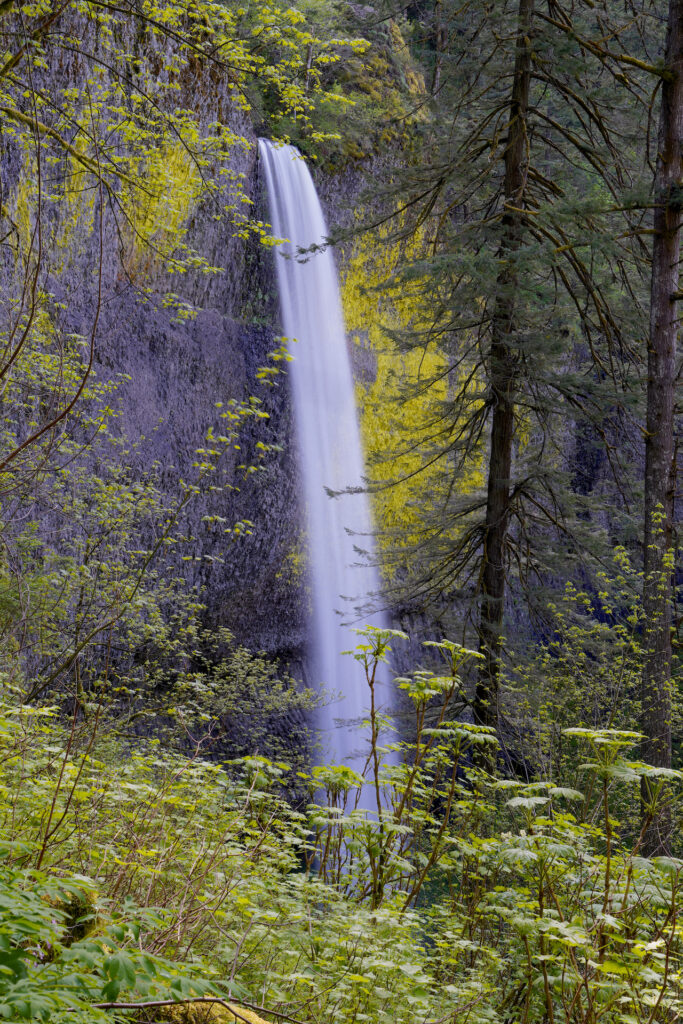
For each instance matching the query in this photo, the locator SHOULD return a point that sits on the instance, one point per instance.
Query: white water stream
(330, 451)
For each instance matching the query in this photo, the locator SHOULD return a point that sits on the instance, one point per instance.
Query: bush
(137, 876)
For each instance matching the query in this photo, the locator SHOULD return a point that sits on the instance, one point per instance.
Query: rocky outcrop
(178, 372)
(178, 344)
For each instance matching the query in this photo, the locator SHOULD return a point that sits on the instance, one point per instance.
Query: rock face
(178, 372)
(255, 585)
(173, 371)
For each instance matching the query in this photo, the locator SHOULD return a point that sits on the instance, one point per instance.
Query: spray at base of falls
(331, 455)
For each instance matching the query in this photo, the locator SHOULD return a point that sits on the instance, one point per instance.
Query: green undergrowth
(134, 876)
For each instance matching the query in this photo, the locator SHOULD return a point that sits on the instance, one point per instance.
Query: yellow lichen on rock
(158, 216)
(383, 421)
(398, 409)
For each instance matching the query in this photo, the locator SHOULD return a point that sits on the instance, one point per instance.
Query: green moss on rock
(205, 1012)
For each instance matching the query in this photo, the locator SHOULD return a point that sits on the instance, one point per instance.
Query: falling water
(330, 450)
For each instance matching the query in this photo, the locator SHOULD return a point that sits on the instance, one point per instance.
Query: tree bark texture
(659, 438)
(440, 45)
(503, 370)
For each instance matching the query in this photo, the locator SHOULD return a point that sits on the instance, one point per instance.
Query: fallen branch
(154, 1004)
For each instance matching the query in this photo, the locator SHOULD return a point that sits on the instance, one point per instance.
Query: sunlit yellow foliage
(76, 195)
(383, 422)
(294, 565)
(23, 204)
(414, 77)
(159, 215)
(77, 206)
(392, 425)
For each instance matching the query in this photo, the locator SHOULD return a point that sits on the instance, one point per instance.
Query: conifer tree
(503, 373)
(659, 428)
(529, 188)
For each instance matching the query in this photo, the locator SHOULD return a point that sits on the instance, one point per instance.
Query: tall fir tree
(660, 469)
(530, 197)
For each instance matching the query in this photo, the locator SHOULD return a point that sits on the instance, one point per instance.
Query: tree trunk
(503, 382)
(440, 44)
(659, 438)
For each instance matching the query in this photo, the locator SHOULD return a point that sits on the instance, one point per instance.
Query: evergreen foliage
(169, 849)
(523, 209)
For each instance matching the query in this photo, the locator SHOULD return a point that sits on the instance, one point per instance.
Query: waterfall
(331, 456)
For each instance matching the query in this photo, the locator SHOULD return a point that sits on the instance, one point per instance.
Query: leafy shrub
(134, 876)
